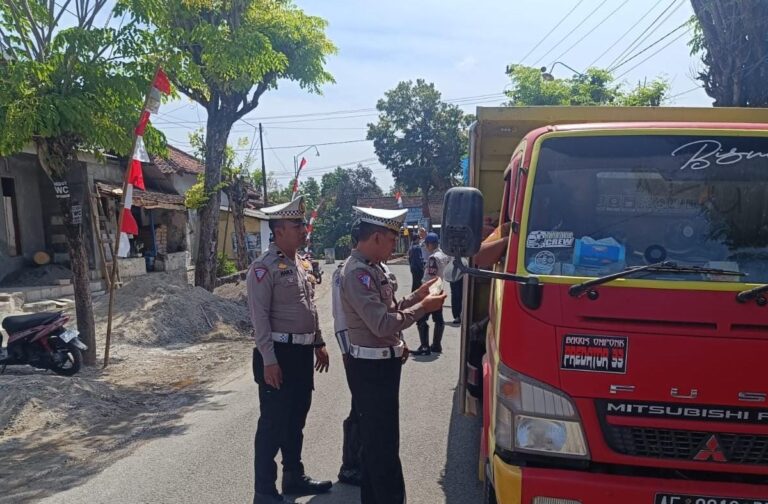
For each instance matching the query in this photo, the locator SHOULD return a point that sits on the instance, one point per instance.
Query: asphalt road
(211, 459)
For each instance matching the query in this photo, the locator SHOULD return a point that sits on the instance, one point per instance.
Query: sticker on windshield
(549, 239)
(543, 263)
(601, 354)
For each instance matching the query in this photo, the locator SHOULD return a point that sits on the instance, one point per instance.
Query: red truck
(618, 351)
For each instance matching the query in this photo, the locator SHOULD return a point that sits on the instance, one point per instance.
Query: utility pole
(263, 166)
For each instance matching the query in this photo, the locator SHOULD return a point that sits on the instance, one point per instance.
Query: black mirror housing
(461, 231)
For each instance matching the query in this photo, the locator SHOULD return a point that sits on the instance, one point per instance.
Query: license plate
(68, 335)
(704, 499)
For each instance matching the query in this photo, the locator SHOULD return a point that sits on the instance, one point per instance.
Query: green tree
(532, 86)
(236, 182)
(729, 36)
(339, 191)
(225, 56)
(69, 86)
(419, 138)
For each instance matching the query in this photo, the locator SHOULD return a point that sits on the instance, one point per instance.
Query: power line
(522, 60)
(648, 47)
(626, 32)
(584, 20)
(684, 92)
(309, 145)
(598, 25)
(655, 53)
(639, 40)
(266, 139)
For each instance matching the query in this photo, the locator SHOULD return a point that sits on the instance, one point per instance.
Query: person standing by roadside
(288, 340)
(417, 258)
(377, 352)
(436, 262)
(457, 299)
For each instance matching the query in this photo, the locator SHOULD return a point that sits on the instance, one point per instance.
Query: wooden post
(120, 226)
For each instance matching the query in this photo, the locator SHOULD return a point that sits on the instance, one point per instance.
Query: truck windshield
(601, 204)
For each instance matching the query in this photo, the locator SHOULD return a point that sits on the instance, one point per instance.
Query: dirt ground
(171, 342)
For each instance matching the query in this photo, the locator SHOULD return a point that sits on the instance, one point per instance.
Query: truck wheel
(489, 494)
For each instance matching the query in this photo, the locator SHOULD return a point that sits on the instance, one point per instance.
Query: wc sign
(62, 189)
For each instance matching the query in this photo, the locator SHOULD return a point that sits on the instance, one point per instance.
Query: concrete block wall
(132, 267)
(173, 262)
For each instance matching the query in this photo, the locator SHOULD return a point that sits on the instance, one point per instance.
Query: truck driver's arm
(493, 247)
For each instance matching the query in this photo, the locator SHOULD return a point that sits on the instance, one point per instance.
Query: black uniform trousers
(351, 456)
(375, 392)
(457, 297)
(283, 413)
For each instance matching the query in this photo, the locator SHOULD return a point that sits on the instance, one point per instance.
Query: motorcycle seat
(20, 322)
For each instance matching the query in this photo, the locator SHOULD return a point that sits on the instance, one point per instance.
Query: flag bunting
(161, 85)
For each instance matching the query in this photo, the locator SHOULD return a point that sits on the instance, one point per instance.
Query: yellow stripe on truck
(507, 481)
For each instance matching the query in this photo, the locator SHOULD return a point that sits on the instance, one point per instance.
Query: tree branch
(35, 29)
(16, 15)
(195, 95)
(261, 88)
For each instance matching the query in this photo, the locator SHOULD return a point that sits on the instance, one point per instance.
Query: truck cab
(616, 353)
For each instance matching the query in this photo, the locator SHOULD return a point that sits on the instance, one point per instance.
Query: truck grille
(686, 445)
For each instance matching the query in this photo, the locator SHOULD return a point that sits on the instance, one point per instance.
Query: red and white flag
(135, 176)
(302, 164)
(399, 198)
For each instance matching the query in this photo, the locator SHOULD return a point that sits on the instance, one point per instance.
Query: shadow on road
(75, 445)
(459, 478)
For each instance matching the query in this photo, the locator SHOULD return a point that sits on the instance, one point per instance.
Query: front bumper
(520, 485)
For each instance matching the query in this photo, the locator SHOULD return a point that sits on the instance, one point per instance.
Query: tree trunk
(239, 197)
(57, 157)
(217, 133)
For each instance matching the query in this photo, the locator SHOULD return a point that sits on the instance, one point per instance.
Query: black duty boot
(438, 339)
(350, 476)
(301, 484)
(423, 340)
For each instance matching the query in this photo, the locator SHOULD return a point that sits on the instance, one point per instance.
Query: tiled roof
(146, 199)
(178, 161)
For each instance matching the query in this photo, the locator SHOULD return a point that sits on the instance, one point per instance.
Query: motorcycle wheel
(72, 364)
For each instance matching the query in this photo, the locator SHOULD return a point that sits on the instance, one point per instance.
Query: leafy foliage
(419, 138)
(339, 190)
(594, 87)
(224, 265)
(225, 56)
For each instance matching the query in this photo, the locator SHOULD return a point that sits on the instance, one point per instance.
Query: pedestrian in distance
(375, 321)
(436, 263)
(289, 348)
(416, 259)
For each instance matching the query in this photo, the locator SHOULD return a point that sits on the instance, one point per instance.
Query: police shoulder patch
(365, 278)
(259, 273)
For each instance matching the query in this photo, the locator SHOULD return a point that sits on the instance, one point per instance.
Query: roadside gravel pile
(162, 310)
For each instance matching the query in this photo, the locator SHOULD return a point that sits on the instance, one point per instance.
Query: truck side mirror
(462, 222)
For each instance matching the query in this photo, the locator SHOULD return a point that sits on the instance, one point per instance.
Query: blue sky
(461, 46)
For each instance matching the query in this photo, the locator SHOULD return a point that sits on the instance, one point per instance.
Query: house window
(11, 214)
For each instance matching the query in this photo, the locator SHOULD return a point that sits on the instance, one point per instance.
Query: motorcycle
(42, 341)
(317, 271)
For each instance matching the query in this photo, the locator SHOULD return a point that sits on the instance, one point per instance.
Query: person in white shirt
(435, 267)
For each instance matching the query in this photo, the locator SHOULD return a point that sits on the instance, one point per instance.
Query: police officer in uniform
(375, 320)
(288, 340)
(351, 458)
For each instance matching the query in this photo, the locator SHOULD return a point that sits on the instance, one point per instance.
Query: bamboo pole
(120, 224)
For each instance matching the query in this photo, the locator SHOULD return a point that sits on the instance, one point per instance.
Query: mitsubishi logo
(711, 451)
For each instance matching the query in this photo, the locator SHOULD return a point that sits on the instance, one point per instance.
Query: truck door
(475, 310)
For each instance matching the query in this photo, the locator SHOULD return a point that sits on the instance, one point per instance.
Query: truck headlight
(536, 418)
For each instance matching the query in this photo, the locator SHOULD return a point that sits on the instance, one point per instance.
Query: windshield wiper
(744, 296)
(663, 267)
